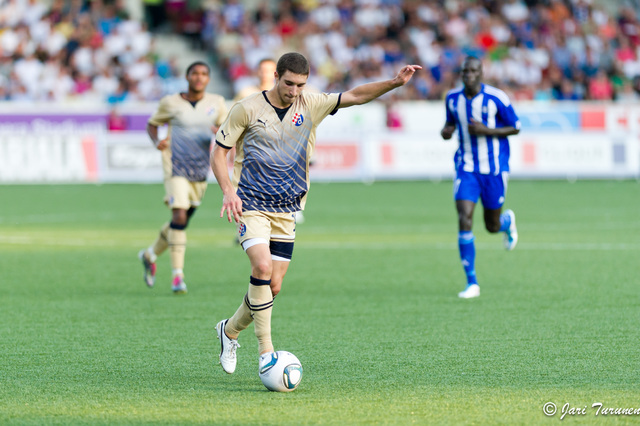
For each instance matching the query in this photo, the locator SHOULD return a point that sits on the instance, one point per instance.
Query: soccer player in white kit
(193, 117)
(274, 135)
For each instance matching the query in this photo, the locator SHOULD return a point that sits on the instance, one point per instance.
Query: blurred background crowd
(533, 49)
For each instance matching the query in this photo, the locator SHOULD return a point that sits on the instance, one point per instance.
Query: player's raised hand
(233, 206)
(405, 74)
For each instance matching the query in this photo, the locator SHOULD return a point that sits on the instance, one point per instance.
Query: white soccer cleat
(228, 358)
(511, 234)
(149, 266)
(472, 290)
(178, 286)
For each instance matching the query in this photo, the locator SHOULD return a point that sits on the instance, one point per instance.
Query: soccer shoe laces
(233, 345)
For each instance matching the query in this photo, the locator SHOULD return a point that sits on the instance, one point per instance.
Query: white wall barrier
(558, 140)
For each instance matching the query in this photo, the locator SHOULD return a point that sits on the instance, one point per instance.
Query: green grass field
(369, 306)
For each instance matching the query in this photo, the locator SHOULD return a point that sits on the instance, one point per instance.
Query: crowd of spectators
(75, 49)
(532, 49)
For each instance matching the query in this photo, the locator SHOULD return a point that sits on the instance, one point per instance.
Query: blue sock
(505, 222)
(468, 255)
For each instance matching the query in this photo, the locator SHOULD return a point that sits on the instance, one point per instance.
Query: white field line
(26, 240)
(483, 246)
(56, 218)
(531, 227)
(388, 228)
(62, 242)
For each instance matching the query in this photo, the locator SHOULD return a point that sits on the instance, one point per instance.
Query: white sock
(152, 256)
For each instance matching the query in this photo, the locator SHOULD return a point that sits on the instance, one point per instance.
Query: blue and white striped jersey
(480, 153)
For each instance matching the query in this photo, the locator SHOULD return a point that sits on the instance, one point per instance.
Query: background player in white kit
(193, 117)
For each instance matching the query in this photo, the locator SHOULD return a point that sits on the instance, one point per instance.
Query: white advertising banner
(598, 155)
(558, 140)
(130, 157)
(49, 148)
(404, 156)
(532, 156)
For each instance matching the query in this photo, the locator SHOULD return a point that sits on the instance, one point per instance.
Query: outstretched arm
(367, 92)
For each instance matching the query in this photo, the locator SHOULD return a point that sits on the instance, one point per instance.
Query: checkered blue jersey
(481, 153)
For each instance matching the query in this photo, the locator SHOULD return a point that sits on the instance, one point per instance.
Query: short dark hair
(294, 62)
(195, 64)
(472, 58)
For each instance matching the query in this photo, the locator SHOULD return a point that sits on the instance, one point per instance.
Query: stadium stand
(532, 49)
(79, 51)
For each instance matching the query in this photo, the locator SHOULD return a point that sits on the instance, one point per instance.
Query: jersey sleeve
(163, 113)
(323, 104)
(509, 117)
(451, 119)
(233, 127)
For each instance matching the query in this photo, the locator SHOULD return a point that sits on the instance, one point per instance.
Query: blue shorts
(491, 189)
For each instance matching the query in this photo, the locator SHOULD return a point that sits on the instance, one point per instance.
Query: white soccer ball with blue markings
(281, 373)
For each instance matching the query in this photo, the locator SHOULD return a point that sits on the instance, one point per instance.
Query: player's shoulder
(454, 92)
(253, 102)
(168, 99)
(253, 98)
(318, 100)
(245, 92)
(314, 94)
(497, 93)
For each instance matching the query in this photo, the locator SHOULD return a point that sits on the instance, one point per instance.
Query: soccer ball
(281, 373)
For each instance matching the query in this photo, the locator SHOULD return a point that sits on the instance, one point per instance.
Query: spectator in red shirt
(600, 88)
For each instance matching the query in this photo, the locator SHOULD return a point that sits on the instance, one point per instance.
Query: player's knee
(262, 270)
(179, 217)
(493, 227)
(177, 226)
(465, 222)
(189, 214)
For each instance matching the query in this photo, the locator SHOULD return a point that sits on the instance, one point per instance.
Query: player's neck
(275, 99)
(472, 91)
(193, 96)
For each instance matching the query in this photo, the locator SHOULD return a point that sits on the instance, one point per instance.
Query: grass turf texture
(369, 306)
